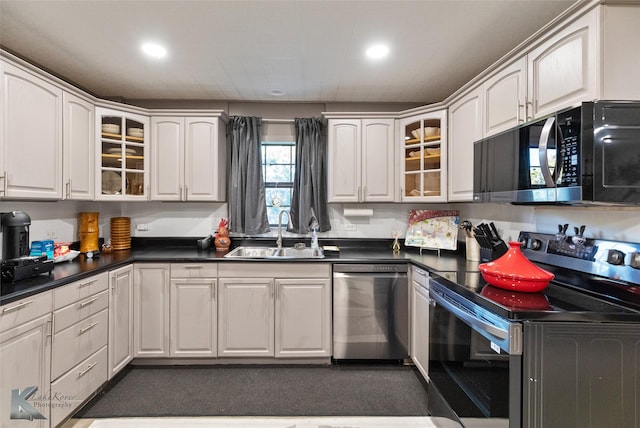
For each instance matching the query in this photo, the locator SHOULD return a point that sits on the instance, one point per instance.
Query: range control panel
(611, 259)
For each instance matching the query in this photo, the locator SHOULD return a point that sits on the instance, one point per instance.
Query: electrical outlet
(142, 227)
(350, 227)
(52, 235)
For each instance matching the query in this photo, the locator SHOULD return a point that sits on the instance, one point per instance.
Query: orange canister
(89, 230)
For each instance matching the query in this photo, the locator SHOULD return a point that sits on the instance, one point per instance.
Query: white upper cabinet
(423, 161)
(361, 160)
(78, 140)
(465, 127)
(167, 158)
(122, 171)
(188, 158)
(30, 136)
(504, 97)
(620, 58)
(563, 69)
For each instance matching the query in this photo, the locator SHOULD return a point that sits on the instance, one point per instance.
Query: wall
(58, 220)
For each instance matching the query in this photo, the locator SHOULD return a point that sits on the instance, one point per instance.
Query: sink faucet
(279, 240)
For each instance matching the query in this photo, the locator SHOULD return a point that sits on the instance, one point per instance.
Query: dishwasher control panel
(371, 268)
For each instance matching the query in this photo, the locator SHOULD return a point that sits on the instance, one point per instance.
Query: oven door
(475, 369)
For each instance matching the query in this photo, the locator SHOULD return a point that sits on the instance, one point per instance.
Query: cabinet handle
(5, 179)
(420, 272)
(148, 194)
(84, 284)
(87, 328)
(529, 109)
(88, 302)
(49, 328)
(193, 266)
(16, 307)
(85, 371)
(186, 193)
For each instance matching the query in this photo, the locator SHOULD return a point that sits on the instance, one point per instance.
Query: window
(278, 171)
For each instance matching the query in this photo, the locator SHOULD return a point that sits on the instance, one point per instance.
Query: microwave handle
(542, 151)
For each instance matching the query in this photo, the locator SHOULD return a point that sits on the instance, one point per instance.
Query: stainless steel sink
(274, 253)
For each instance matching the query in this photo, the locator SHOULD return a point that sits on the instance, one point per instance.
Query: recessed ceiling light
(377, 51)
(154, 50)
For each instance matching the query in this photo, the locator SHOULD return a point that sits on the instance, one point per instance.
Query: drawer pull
(193, 267)
(18, 306)
(87, 328)
(88, 302)
(85, 371)
(84, 284)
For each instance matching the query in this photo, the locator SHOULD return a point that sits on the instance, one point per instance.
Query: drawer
(16, 313)
(65, 295)
(72, 389)
(69, 315)
(194, 270)
(77, 342)
(421, 276)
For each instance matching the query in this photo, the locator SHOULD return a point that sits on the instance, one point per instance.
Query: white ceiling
(311, 50)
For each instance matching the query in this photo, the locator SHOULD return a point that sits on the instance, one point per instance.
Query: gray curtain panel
(247, 206)
(310, 180)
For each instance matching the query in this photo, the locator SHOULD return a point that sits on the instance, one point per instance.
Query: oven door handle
(470, 319)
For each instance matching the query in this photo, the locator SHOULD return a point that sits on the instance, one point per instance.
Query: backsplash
(59, 220)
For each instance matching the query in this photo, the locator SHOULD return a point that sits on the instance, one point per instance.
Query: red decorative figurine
(222, 240)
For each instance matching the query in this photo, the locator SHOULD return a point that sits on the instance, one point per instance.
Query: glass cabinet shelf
(123, 156)
(422, 159)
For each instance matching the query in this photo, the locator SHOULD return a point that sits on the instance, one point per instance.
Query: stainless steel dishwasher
(370, 311)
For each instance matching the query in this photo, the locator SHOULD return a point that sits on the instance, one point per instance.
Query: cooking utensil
(513, 271)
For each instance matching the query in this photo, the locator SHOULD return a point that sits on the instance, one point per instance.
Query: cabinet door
(465, 127)
(303, 318)
(120, 319)
(563, 70)
(420, 328)
(193, 317)
(78, 142)
(423, 157)
(344, 160)
(505, 98)
(151, 310)
(205, 160)
(378, 160)
(246, 317)
(167, 158)
(25, 353)
(31, 136)
(122, 172)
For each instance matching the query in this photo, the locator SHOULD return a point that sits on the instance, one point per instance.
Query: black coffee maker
(15, 234)
(16, 262)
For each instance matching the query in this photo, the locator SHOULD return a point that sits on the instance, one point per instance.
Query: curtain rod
(279, 120)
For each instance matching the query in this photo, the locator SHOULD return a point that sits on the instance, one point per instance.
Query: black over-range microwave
(582, 155)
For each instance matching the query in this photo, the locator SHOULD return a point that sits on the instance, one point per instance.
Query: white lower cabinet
(246, 311)
(25, 361)
(274, 310)
(193, 317)
(420, 320)
(151, 309)
(120, 319)
(303, 317)
(79, 348)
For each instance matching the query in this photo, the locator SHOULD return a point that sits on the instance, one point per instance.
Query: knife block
(490, 249)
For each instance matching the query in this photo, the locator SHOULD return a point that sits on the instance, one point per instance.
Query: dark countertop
(184, 251)
(449, 268)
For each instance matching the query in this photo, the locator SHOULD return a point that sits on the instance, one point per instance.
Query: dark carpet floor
(336, 390)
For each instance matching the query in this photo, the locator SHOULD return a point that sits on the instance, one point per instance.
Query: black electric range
(595, 281)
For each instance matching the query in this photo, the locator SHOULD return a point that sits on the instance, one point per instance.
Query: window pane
(278, 165)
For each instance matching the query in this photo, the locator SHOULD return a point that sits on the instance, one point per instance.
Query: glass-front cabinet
(123, 155)
(423, 157)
